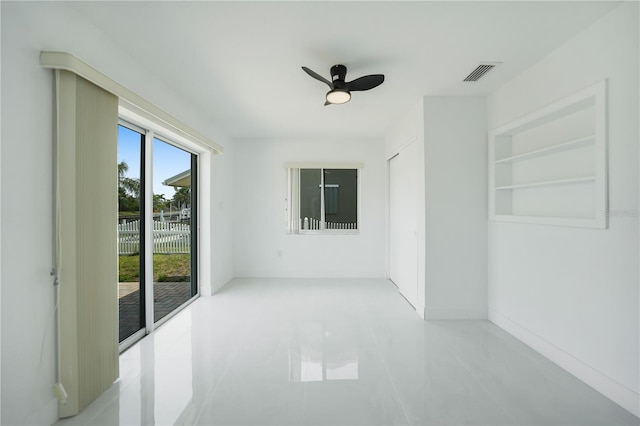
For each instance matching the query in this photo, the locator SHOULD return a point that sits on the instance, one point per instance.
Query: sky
(168, 160)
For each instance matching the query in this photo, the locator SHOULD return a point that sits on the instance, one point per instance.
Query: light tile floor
(347, 351)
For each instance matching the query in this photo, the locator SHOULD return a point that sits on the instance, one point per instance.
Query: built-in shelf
(521, 157)
(573, 144)
(547, 183)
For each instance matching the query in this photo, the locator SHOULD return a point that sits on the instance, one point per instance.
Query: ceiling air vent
(479, 72)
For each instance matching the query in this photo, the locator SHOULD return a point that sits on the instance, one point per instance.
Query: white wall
(222, 218)
(28, 321)
(409, 127)
(455, 137)
(262, 246)
(573, 292)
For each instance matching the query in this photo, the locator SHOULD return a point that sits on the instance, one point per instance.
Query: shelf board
(576, 143)
(548, 183)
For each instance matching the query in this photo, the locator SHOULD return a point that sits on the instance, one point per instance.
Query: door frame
(421, 204)
(405, 280)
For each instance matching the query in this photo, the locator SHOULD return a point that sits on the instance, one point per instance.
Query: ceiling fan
(340, 92)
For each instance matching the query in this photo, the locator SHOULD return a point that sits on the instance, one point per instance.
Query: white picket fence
(168, 237)
(315, 224)
(340, 225)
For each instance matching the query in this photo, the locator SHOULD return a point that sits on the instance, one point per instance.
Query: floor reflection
(259, 353)
(163, 391)
(323, 350)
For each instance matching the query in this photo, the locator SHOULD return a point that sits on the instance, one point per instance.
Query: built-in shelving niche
(550, 166)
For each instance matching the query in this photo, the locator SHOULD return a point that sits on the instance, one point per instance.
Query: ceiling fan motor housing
(338, 73)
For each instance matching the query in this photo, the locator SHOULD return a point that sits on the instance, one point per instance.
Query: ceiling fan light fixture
(338, 96)
(340, 92)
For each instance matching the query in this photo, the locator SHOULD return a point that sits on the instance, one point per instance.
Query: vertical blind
(86, 216)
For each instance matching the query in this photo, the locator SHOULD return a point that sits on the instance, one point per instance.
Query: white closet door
(403, 224)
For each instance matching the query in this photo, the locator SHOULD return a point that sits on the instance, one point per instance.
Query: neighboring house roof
(181, 180)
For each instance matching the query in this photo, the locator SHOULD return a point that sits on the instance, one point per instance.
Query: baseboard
(420, 311)
(216, 288)
(620, 394)
(300, 274)
(455, 312)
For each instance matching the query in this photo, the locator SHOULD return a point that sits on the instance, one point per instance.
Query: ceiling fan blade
(317, 76)
(365, 83)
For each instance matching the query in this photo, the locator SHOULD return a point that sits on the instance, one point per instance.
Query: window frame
(292, 201)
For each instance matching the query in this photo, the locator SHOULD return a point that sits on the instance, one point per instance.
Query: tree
(131, 186)
(123, 168)
(128, 190)
(127, 203)
(182, 197)
(159, 202)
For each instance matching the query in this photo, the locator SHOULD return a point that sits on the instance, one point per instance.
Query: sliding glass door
(157, 239)
(174, 226)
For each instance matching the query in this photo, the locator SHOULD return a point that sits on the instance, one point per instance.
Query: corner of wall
(456, 313)
(222, 209)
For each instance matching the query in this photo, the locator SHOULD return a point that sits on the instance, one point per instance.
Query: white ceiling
(240, 61)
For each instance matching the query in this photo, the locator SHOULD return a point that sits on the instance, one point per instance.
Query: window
(323, 200)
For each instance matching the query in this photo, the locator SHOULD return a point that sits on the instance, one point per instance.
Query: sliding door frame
(195, 257)
(148, 231)
(200, 200)
(130, 340)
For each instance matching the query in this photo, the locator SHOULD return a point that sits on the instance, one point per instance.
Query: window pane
(130, 232)
(173, 278)
(310, 199)
(341, 198)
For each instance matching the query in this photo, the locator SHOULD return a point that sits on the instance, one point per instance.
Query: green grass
(166, 267)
